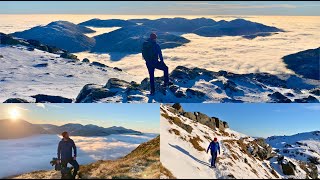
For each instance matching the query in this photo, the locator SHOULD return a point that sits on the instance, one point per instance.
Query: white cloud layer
(34, 153)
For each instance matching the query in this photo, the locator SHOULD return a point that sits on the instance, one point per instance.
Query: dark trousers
(214, 156)
(157, 65)
(74, 163)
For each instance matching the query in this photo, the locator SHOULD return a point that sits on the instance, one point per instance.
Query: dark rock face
(42, 98)
(305, 63)
(309, 99)
(16, 100)
(315, 91)
(91, 93)
(9, 40)
(178, 107)
(288, 168)
(279, 98)
(61, 34)
(194, 92)
(107, 23)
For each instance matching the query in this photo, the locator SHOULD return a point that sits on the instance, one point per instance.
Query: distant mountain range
(129, 38)
(18, 129)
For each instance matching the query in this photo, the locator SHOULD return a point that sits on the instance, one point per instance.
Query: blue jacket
(65, 149)
(214, 147)
(157, 49)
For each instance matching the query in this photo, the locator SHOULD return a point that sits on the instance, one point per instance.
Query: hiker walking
(152, 54)
(65, 154)
(214, 148)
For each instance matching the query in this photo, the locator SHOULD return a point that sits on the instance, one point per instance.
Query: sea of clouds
(24, 155)
(234, 54)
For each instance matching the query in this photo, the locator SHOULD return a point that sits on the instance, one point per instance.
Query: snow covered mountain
(186, 135)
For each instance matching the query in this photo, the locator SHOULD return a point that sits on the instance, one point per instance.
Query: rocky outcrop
(259, 148)
(42, 98)
(91, 93)
(16, 100)
(178, 107)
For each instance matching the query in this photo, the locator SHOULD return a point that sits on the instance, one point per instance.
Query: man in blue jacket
(152, 54)
(214, 148)
(65, 153)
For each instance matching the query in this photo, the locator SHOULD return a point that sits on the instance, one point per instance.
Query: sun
(14, 113)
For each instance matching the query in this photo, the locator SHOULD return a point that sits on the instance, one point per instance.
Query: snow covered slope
(24, 73)
(302, 146)
(184, 142)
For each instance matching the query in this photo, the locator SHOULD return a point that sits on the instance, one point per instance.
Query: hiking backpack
(148, 51)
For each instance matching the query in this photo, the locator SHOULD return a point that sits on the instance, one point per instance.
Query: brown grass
(195, 142)
(165, 172)
(273, 172)
(178, 122)
(176, 132)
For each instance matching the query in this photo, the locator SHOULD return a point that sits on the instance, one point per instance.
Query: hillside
(62, 34)
(141, 163)
(10, 129)
(184, 141)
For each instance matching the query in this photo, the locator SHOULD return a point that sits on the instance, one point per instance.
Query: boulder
(117, 83)
(180, 94)
(315, 91)
(69, 56)
(1, 56)
(225, 124)
(117, 69)
(178, 107)
(94, 63)
(91, 93)
(219, 124)
(279, 98)
(261, 149)
(288, 168)
(205, 120)
(16, 100)
(42, 98)
(86, 60)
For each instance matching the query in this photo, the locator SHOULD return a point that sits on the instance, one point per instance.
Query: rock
(91, 93)
(69, 56)
(1, 56)
(279, 98)
(30, 49)
(173, 88)
(16, 100)
(194, 92)
(117, 83)
(94, 63)
(205, 120)
(86, 60)
(231, 88)
(43, 48)
(117, 69)
(309, 99)
(225, 124)
(41, 65)
(180, 94)
(261, 149)
(289, 94)
(315, 91)
(9, 40)
(178, 107)
(288, 168)
(219, 124)
(42, 98)
(190, 115)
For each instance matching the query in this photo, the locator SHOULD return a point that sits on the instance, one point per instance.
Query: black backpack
(148, 51)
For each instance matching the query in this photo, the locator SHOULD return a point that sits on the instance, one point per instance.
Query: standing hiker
(214, 148)
(65, 154)
(152, 54)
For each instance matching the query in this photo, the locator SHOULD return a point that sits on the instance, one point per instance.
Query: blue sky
(142, 117)
(299, 8)
(264, 119)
